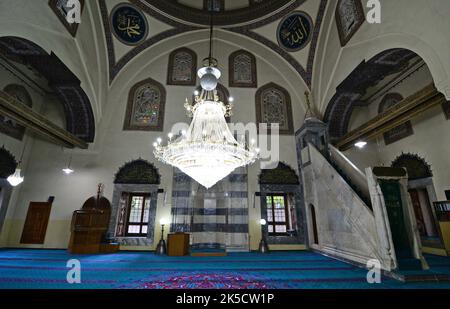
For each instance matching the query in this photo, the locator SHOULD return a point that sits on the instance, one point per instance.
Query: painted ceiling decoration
(349, 18)
(198, 19)
(77, 106)
(295, 31)
(61, 10)
(351, 91)
(197, 16)
(128, 24)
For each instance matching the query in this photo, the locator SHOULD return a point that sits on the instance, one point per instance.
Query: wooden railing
(442, 211)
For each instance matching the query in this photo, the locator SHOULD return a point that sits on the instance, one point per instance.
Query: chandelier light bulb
(361, 144)
(196, 92)
(231, 99)
(15, 179)
(263, 222)
(159, 140)
(68, 170)
(155, 144)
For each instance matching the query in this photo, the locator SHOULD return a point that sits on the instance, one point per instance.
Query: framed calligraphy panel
(61, 10)
(400, 132)
(128, 24)
(295, 31)
(349, 18)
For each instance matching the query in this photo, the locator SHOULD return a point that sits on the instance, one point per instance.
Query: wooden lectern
(178, 244)
(89, 226)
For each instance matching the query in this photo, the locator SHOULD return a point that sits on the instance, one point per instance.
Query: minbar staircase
(409, 269)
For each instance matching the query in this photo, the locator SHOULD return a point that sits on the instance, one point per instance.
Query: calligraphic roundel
(295, 31)
(128, 24)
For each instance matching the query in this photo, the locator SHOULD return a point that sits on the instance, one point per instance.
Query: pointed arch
(416, 166)
(146, 106)
(137, 172)
(273, 105)
(242, 69)
(182, 69)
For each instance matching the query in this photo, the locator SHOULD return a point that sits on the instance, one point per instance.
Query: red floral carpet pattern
(203, 281)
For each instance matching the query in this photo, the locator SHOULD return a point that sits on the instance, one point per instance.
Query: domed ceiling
(226, 12)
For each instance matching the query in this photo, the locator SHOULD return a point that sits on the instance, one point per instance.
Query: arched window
(214, 5)
(9, 126)
(273, 105)
(182, 67)
(145, 109)
(243, 70)
(280, 202)
(403, 130)
(134, 201)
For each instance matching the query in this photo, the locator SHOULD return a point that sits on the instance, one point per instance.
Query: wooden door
(36, 223)
(394, 207)
(414, 194)
(314, 223)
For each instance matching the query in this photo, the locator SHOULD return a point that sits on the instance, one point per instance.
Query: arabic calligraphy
(129, 24)
(295, 31)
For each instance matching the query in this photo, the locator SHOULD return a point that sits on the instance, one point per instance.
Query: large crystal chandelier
(207, 151)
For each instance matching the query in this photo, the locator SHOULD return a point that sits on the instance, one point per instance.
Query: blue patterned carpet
(46, 269)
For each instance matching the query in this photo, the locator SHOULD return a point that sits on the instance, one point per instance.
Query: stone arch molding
(416, 166)
(138, 172)
(178, 29)
(67, 87)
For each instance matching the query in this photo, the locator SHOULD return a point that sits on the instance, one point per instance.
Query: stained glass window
(138, 215)
(213, 5)
(145, 109)
(273, 106)
(277, 214)
(242, 69)
(182, 67)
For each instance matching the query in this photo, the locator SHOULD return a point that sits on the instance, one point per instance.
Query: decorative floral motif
(204, 281)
